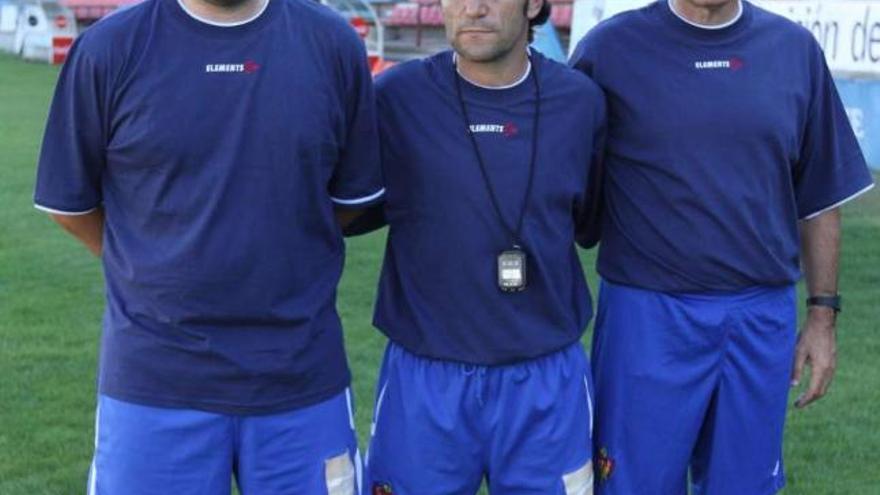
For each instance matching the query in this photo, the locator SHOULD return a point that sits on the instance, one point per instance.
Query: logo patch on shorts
(579, 481)
(604, 465)
(339, 475)
(382, 489)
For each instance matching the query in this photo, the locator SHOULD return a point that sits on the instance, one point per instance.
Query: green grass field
(51, 300)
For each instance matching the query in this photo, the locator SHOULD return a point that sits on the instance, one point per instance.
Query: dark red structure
(89, 11)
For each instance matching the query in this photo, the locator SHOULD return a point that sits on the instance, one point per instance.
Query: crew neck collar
(225, 24)
(216, 29)
(710, 34)
(512, 85)
(711, 27)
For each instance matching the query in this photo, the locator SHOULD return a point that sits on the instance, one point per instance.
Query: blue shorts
(148, 450)
(692, 381)
(441, 427)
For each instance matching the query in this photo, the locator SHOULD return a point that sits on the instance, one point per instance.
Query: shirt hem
(701, 291)
(483, 362)
(219, 407)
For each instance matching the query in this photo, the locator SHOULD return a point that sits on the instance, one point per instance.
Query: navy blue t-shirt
(438, 294)
(719, 141)
(217, 154)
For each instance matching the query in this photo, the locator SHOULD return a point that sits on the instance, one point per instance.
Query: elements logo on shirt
(248, 67)
(729, 64)
(507, 130)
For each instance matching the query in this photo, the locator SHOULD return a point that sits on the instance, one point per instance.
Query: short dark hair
(541, 18)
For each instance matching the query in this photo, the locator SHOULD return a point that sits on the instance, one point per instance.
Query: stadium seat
(414, 14)
(92, 10)
(431, 15)
(403, 14)
(560, 16)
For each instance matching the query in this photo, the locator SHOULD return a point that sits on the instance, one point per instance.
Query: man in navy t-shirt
(728, 156)
(486, 153)
(201, 148)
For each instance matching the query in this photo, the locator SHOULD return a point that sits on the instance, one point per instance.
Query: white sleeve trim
(65, 213)
(358, 201)
(835, 205)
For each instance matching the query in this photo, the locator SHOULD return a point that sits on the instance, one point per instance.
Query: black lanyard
(514, 234)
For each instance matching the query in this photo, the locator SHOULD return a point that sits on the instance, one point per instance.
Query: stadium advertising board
(862, 100)
(848, 30)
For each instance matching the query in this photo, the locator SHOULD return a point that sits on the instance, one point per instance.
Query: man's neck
(718, 15)
(229, 12)
(496, 74)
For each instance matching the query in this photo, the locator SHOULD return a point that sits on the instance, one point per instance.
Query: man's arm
(345, 217)
(816, 346)
(361, 221)
(87, 228)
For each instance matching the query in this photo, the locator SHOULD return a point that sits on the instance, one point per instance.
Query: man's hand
(816, 347)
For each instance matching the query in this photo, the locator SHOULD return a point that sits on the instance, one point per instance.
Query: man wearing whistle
(487, 151)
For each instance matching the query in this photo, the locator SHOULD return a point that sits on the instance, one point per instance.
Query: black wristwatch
(833, 302)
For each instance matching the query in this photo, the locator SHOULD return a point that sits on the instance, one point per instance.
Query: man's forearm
(816, 347)
(362, 221)
(345, 217)
(820, 251)
(88, 228)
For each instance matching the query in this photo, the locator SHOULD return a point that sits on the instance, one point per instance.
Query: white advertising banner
(587, 13)
(848, 30)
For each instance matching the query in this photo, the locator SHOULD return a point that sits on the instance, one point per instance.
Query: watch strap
(833, 302)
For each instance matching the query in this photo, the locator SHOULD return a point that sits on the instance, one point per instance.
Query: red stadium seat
(403, 14)
(560, 16)
(432, 15)
(91, 10)
(413, 14)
